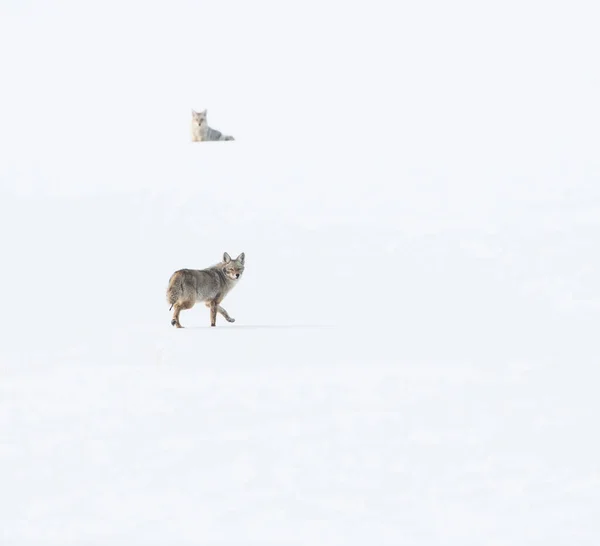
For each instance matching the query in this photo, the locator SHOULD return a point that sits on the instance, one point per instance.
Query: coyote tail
(174, 290)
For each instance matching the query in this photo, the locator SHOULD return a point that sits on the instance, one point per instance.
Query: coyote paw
(230, 319)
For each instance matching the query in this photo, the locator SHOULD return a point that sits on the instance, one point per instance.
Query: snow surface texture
(415, 357)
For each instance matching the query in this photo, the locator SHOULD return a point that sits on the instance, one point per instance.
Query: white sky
(466, 88)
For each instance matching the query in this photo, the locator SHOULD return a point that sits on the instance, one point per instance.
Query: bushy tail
(175, 289)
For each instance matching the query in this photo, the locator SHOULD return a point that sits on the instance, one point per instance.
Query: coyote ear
(226, 258)
(241, 258)
(203, 113)
(194, 112)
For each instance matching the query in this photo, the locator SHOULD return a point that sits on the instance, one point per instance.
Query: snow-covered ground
(415, 353)
(385, 383)
(266, 435)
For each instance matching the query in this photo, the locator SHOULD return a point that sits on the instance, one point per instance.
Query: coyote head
(199, 117)
(233, 269)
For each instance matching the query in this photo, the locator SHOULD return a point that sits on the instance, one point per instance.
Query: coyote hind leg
(177, 308)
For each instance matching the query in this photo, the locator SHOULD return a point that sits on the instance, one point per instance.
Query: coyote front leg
(222, 311)
(225, 314)
(213, 313)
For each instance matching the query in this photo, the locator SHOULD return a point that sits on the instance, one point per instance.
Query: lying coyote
(210, 285)
(201, 132)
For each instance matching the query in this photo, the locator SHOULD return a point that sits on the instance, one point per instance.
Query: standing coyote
(202, 132)
(210, 285)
